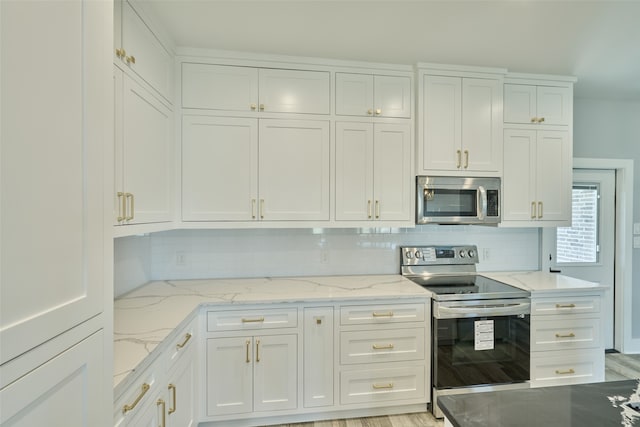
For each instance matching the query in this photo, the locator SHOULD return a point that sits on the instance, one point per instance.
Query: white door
(354, 94)
(293, 168)
(275, 372)
(229, 375)
(553, 176)
(519, 175)
(180, 405)
(554, 105)
(586, 250)
(56, 124)
(392, 172)
(294, 91)
(392, 96)
(219, 168)
(519, 103)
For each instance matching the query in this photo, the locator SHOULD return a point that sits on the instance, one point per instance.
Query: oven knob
(418, 254)
(462, 254)
(471, 253)
(408, 254)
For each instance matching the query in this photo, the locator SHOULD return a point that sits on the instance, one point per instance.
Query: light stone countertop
(542, 283)
(145, 317)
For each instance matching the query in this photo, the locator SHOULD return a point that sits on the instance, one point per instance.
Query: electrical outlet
(181, 259)
(324, 256)
(486, 254)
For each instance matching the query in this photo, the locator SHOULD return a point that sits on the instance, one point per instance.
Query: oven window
(446, 203)
(458, 362)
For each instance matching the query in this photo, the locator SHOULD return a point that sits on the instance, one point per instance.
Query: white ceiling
(596, 41)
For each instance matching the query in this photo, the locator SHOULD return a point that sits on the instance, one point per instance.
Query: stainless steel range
(479, 326)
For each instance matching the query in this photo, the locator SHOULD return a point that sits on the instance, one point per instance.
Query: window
(578, 244)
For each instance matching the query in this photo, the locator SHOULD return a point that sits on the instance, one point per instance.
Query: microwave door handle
(482, 203)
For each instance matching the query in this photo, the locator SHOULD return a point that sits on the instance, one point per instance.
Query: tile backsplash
(194, 254)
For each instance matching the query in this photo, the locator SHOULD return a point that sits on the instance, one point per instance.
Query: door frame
(623, 262)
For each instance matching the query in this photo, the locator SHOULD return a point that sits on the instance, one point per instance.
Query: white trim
(624, 340)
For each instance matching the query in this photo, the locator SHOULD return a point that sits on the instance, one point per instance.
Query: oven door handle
(482, 202)
(452, 312)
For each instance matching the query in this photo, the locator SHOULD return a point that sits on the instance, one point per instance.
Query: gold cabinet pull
(122, 206)
(378, 111)
(566, 372)
(258, 320)
(540, 214)
(382, 346)
(569, 335)
(541, 120)
(130, 59)
(534, 120)
(257, 351)
(261, 208)
(533, 210)
(253, 208)
(163, 419)
(129, 197)
(466, 159)
(387, 314)
(565, 306)
(187, 337)
(120, 53)
(247, 344)
(382, 386)
(261, 107)
(174, 402)
(127, 408)
(377, 209)
(253, 107)
(370, 111)
(459, 156)
(369, 214)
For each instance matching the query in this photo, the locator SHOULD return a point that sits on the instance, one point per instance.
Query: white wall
(191, 254)
(611, 129)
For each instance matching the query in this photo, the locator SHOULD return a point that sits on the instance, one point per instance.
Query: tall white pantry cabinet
(55, 258)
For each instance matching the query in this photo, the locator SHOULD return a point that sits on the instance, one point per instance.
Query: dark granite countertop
(585, 405)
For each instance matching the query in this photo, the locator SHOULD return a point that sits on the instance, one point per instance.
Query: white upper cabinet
(460, 125)
(373, 95)
(531, 104)
(373, 172)
(236, 88)
(143, 155)
(56, 130)
(139, 50)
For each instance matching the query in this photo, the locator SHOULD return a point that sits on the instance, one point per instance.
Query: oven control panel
(439, 255)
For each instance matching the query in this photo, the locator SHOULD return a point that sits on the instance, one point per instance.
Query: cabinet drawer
(565, 306)
(384, 313)
(392, 345)
(252, 319)
(569, 367)
(181, 344)
(565, 334)
(382, 385)
(136, 397)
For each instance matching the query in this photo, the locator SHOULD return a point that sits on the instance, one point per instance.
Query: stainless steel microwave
(457, 200)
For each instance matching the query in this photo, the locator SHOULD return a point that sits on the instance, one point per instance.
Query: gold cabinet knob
(541, 120)
(253, 107)
(534, 120)
(261, 107)
(378, 111)
(130, 59)
(120, 53)
(370, 111)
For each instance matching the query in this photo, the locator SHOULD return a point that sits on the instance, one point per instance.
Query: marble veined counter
(585, 405)
(146, 316)
(541, 282)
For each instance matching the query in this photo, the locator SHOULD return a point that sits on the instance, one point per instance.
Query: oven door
(472, 346)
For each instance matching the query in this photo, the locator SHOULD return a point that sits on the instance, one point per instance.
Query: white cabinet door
(144, 53)
(519, 103)
(481, 125)
(294, 167)
(181, 397)
(392, 96)
(144, 156)
(553, 176)
(554, 105)
(57, 106)
(442, 123)
(519, 182)
(219, 168)
(276, 372)
(219, 87)
(151, 415)
(65, 391)
(293, 91)
(318, 357)
(354, 94)
(392, 172)
(229, 375)
(354, 171)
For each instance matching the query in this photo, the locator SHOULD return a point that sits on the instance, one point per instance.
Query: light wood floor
(617, 367)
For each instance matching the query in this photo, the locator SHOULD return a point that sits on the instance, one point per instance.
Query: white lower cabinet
(566, 340)
(318, 357)
(251, 374)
